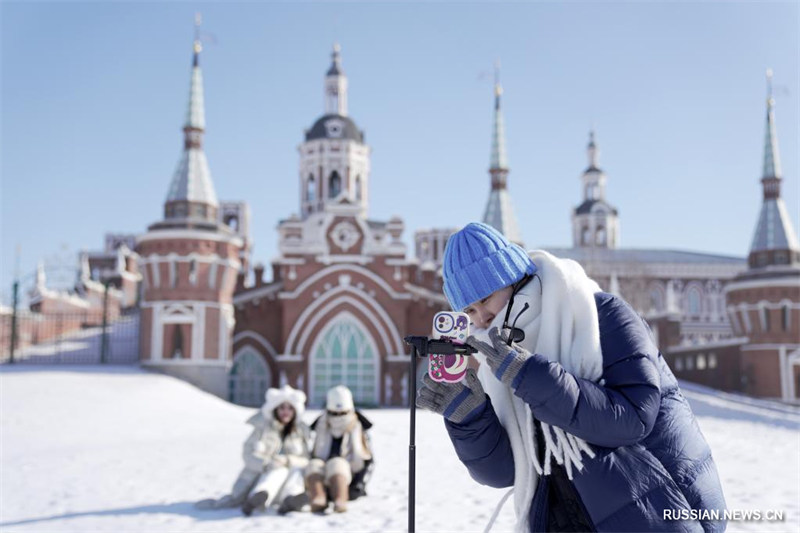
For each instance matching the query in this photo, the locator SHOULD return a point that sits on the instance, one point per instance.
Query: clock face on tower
(345, 235)
(334, 128)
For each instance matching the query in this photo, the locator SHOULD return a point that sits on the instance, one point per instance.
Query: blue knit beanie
(479, 260)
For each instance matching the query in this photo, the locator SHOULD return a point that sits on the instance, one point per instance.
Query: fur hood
(275, 397)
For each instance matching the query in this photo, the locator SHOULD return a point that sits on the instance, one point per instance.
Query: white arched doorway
(344, 353)
(249, 378)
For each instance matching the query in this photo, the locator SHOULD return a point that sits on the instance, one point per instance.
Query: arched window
(694, 301)
(344, 354)
(249, 378)
(656, 299)
(678, 364)
(358, 188)
(600, 236)
(334, 185)
(586, 236)
(701, 361)
(177, 342)
(765, 325)
(232, 221)
(193, 271)
(311, 189)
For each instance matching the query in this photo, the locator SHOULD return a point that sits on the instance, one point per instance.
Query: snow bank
(102, 448)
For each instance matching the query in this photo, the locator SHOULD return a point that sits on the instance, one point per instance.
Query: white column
(156, 334)
(785, 373)
(198, 333)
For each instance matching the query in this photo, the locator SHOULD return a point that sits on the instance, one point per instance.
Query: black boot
(293, 503)
(254, 502)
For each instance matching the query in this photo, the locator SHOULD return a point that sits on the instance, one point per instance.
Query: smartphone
(452, 326)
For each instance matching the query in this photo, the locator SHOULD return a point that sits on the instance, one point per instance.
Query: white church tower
(595, 223)
(334, 160)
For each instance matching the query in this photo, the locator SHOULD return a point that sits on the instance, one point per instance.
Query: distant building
(343, 291)
(679, 292)
(762, 303)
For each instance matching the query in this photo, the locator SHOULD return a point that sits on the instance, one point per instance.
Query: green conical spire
(772, 161)
(498, 159)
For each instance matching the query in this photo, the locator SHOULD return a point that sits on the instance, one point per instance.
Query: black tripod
(421, 347)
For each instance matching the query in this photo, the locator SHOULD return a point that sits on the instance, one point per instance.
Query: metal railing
(88, 336)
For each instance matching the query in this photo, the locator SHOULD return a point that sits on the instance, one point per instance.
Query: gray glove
(454, 401)
(504, 360)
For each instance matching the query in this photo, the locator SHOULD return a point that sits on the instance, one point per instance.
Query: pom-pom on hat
(275, 397)
(479, 260)
(340, 399)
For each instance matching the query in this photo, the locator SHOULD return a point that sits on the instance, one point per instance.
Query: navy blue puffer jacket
(650, 453)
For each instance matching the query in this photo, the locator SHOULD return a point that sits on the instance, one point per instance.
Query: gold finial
(770, 99)
(498, 89)
(198, 20)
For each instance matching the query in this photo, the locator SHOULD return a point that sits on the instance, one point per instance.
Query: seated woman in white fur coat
(275, 455)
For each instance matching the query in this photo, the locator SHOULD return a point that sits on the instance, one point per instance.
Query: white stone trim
(249, 347)
(227, 322)
(197, 235)
(185, 302)
(212, 275)
(787, 374)
(306, 326)
(788, 281)
(260, 339)
(198, 334)
(157, 334)
(290, 358)
(258, 293)
(708, 346)
(359, 259)
(765, 303)
(336, 268)
(185, 362)
(156, 274)
(288, 261)
(768, 346)
(398, 358)
(213, 259)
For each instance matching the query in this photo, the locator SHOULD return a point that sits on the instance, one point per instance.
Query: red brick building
(762, 303)
(189, 262)
(343, 293)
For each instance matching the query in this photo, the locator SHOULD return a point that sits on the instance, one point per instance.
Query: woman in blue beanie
(572, 405)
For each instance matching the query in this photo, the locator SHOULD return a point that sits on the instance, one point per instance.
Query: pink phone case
(454, 327)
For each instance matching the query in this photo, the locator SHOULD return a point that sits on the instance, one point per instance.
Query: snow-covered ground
(104, 448)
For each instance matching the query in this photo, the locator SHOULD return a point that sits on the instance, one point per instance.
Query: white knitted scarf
(561, 325)
(352, 447)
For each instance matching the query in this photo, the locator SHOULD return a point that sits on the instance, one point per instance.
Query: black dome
(335, 127)
(587, 205)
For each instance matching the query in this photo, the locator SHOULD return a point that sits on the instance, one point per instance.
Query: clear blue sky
(94, 96)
